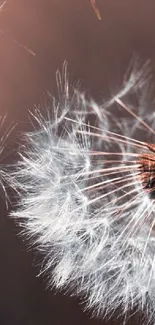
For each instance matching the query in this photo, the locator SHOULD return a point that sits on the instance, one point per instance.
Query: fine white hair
(5, 130)
(86, 197)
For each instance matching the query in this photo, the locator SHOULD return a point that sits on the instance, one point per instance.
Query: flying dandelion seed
(2, 5)
(25, 47)
(86, 197)
(93, 3)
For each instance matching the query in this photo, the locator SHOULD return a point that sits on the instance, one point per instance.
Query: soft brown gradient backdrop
(97, 53)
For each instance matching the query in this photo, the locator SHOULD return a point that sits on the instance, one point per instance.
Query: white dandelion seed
(86, 186)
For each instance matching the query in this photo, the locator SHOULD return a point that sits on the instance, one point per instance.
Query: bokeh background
(98, 53)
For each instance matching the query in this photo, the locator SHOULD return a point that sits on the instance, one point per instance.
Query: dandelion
(86, 185)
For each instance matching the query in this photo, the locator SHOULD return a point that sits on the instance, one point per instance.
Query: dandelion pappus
(91, 210)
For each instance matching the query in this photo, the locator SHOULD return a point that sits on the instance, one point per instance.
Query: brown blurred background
(97, 53)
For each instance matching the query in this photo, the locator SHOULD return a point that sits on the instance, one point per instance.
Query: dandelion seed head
(86, 184)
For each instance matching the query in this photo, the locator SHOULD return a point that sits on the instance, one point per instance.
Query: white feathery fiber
(86, 182)
(4, 135)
